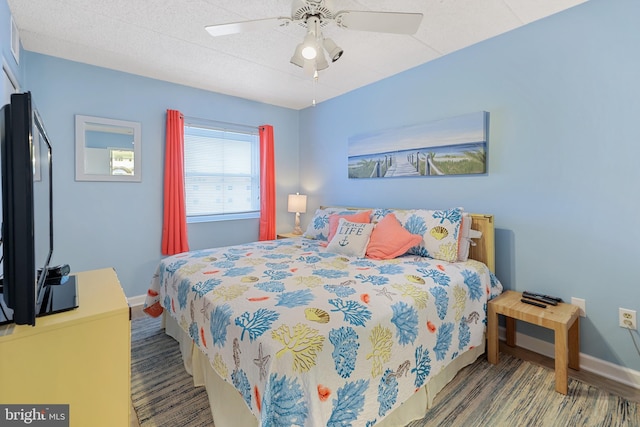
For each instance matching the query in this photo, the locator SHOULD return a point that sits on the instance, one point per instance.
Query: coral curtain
(174, 225)
(267, 185)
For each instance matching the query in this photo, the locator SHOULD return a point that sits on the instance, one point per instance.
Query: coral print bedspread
(313, 338)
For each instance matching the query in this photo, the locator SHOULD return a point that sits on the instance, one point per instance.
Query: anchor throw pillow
(351, 238)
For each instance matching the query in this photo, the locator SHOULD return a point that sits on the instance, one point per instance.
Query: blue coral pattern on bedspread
(313, 338)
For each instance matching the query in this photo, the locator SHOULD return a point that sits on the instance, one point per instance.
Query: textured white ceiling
(166, 40)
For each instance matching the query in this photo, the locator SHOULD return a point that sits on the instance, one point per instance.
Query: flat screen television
(27, 217)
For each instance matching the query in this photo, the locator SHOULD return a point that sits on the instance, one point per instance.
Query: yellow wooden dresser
(80, 357)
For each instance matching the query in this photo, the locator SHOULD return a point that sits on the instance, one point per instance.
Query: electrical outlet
(628, 318)
(580, 303)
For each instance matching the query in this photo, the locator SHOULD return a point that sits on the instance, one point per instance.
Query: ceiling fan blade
(382, 22)
(244, 26)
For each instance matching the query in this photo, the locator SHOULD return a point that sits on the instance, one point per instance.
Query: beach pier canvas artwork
(451, 146)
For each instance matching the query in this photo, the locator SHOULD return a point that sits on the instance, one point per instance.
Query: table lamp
(298, 204)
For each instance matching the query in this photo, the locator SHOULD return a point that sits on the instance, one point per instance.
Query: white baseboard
(137, 300)
(600, 367)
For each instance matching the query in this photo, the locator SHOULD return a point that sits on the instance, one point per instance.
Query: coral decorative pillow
(351, 238)
(390, 239)
(363, 217)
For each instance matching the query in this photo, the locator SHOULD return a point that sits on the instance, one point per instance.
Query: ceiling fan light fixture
(334, 51)
(297, 58)
(321, 61)
(309, 46)
(309, 67)
(309, 52)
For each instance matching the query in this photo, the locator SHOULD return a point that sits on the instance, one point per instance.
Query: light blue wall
(117, 224)
(564, 148)
(564, 99)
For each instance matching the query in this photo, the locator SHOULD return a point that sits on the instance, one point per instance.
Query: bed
(299, 332)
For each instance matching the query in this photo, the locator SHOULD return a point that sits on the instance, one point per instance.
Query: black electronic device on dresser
(27, 218)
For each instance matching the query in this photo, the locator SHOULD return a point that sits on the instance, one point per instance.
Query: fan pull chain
(315, 85)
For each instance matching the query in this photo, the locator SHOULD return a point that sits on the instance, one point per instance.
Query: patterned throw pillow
(362, 217)
(318, 228)
(351, 238)
(440, 230)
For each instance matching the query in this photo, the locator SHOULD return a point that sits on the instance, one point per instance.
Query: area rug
(512, 393)
(162, 392)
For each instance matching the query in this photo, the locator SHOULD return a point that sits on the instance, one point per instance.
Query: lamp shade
(334, 51)
(297, 203)
(309, 47)
(297, 58)
(321, 61)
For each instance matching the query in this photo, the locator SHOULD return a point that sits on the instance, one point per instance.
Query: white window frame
(15, 41)
(231, 129)
(9, 83)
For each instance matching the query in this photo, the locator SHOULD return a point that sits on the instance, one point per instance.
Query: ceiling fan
(317, 14)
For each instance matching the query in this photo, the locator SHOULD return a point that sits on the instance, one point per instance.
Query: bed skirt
(228, 409)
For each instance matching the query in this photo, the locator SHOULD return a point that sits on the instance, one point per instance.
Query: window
(222, 172)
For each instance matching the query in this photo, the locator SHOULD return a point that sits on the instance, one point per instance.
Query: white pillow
(465, 240)
(351, 238)
(463, 252)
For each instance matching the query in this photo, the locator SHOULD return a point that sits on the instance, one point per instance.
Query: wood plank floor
(603, 383)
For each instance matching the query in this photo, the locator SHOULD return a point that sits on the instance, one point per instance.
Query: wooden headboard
(484, 249)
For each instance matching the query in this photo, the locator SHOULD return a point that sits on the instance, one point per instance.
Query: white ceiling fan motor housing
(301, 10)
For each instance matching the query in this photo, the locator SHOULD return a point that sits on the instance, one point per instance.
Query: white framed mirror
(108, 150)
